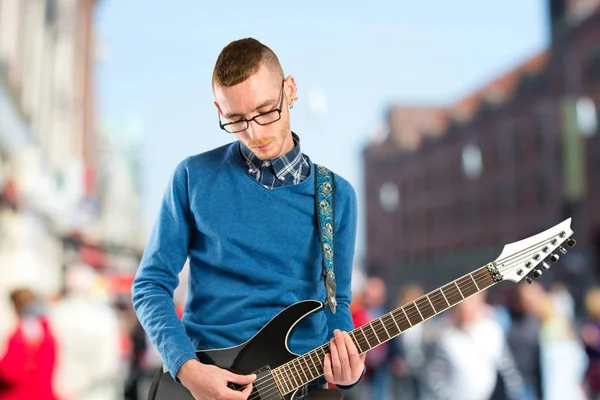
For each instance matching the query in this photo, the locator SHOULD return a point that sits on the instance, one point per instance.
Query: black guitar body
(264, 351)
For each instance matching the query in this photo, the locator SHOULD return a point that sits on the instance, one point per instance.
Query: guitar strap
(324, 194)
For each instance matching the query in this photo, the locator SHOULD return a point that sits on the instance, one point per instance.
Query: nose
(254, 130)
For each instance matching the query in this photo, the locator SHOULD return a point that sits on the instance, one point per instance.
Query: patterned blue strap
(324, 191)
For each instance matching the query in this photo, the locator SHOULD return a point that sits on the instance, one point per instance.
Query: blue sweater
(252, 252)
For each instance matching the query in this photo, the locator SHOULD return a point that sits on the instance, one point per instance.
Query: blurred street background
(463, 126)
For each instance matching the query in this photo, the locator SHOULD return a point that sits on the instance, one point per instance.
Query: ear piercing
(293, 101)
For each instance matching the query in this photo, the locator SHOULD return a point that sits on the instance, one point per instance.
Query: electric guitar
(281, 373)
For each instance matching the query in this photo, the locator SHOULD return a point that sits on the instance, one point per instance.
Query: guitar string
(435, 299)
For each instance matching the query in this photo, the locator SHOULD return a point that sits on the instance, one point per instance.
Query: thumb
(241, 379)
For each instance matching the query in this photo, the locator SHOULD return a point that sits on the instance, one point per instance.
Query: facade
(506, 162)
(58, 174)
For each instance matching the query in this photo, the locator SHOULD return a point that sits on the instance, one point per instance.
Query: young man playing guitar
(245, 216)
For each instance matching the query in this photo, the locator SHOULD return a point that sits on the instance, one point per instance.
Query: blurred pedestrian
(470, 354)
(523, 336)
(88, 336)
(590, 333)
(563, 360)
(27, 366)
(408, 352)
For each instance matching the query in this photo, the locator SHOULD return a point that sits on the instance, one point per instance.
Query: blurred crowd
(516, 341)
(520, 341)
(82, 345)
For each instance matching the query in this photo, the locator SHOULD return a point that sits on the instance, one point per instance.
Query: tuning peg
(537, 273)
(528, 279)
(545, 265)
(562, 250)
(554, 258)
(571, 242)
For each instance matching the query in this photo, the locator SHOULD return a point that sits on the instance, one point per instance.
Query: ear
(291, 91)
(218, 108)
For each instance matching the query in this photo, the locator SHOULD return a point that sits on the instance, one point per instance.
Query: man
(469, 354)
(244, 215)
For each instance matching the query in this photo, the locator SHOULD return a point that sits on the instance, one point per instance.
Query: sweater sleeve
(345, 210)
(158, 274)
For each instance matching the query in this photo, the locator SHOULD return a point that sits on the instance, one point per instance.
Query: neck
(306, 368)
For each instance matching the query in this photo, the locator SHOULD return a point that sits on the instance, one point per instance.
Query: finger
(335, 360)
(240, 379)
(246, 392)
(353, 356)
(233, 394)
(345, 368)
(327, 368)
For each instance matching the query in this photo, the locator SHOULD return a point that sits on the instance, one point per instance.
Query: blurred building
(52, 155)
(447, 187)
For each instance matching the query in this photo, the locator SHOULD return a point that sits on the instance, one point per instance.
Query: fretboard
(308, 367)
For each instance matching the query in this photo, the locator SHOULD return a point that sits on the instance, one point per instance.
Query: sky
(350, 62)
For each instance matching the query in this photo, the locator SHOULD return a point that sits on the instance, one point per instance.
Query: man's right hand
(207, 382)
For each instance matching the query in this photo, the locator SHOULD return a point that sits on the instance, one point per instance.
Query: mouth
(262, 146)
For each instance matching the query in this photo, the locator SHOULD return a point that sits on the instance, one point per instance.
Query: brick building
(448, 188)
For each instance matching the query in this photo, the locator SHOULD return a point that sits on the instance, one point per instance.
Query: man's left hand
(343, 365)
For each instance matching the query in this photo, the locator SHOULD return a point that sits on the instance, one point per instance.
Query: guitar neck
(306, 368)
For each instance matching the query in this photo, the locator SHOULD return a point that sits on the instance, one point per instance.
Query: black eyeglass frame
(278, 110)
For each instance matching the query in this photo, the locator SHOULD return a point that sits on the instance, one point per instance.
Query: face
(469, 310)
(256, 95)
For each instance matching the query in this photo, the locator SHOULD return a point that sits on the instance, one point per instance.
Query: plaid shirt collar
(288, 169)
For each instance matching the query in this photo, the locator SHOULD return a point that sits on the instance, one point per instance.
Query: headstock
(519, 260)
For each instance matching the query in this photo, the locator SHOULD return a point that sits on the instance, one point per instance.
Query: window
(592, 67)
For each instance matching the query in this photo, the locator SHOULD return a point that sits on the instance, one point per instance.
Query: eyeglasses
(266, 118)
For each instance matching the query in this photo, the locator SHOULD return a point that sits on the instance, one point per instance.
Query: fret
(484, 278)
(302, 369)
(439, 304)
(467, 287)
(452, 293)
(461, 295)
(473, 279)
(374, 334)
(291, 375)
(413, 313)
(296, 373)
(312, 372)
(401, 319)
(425, 308)
(430, 303)
(361, 340)
(320, 359)
(280, 382)
(445, 298)
(317, 365)
(314, 366)
(381, 332)
(356, 343)
(406, 316)
(362, 329)
(384, 328)
(390, 325)
(395, 323)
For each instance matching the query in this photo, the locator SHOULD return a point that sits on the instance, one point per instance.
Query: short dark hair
(241, 59)
(21, 298)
